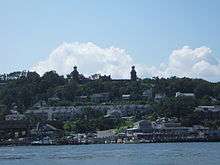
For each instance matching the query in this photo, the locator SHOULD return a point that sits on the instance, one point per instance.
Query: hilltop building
(74, 74)
(133, 74)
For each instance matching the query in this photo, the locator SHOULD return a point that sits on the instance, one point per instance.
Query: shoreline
(149, 142)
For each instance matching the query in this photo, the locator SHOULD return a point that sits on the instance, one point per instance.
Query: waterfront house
(164, 129)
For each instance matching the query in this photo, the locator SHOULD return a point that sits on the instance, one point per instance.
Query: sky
(160, 37)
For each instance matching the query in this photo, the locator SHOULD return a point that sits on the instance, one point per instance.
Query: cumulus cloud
(196, 63)
(90, 58)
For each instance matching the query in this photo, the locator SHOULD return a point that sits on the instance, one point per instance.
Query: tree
(33, 77)
(50, 80)
(70, 91)
(3, 112)
(203, 89)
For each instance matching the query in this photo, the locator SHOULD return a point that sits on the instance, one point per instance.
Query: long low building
(60, 113)
(65, 113)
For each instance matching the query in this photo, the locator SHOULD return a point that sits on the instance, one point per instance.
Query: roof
(59, 109)
(126, 95)
(215, 108)
(185, 94)
(96, 95)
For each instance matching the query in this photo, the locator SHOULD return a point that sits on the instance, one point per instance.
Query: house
(166, 122)
(100, 97)
(159, 97)
(126, 97)
(81, 98)
(179, 94)
(14, 115)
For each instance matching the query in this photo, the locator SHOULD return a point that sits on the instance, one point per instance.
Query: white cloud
(196, 63)
(90, 59)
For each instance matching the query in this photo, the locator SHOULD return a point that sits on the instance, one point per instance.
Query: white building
(179, 94)
(126, 97)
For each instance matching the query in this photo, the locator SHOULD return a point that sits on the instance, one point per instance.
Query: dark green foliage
(3, 112)
(25, 91)
(91, 120)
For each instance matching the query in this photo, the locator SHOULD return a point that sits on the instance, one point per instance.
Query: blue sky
(149, 30)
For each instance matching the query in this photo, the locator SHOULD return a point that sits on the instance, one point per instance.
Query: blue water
(114, 154)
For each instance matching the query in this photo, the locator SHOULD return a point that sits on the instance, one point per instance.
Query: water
(114, 154)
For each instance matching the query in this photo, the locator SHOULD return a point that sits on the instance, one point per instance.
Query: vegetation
(25, 91)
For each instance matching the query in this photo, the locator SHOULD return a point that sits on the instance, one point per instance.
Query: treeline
(25, 91)
(200, 87)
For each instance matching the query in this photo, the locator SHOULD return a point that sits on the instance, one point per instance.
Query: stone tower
(75, 74)
(133, 74)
